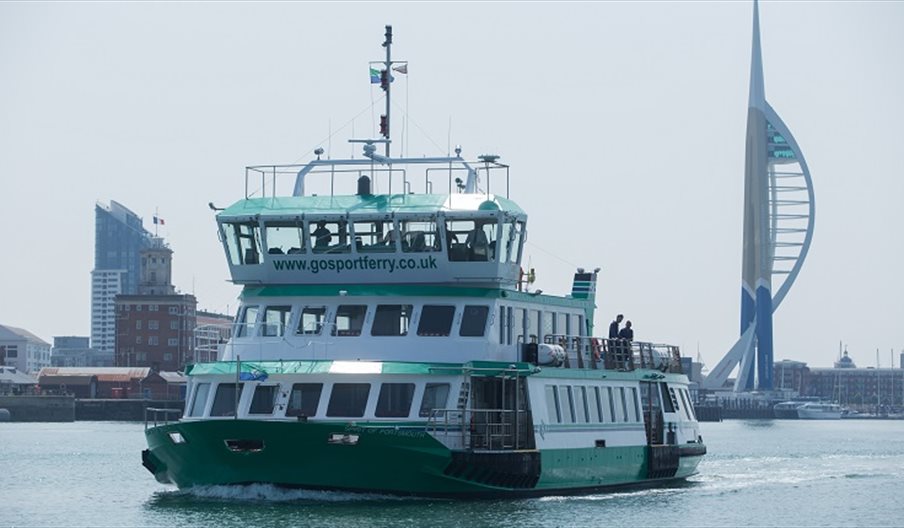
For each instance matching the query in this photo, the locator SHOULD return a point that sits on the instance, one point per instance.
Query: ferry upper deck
(468, 235)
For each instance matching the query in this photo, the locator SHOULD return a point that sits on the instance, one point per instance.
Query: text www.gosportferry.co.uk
(356, 264)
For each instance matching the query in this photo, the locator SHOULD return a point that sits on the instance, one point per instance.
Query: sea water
(757, 473)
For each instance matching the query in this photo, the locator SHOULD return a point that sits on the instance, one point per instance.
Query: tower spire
(757, 89)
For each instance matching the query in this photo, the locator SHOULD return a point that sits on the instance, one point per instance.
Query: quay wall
(33, 408)
(119, 409)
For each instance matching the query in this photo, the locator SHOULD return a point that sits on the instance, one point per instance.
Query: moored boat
(819, 411)
(390, 343)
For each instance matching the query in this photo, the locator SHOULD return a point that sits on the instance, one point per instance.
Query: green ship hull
(398, 459)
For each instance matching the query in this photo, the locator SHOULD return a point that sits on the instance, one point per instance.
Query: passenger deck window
(581, 404)
(471, 240)
(329, 236)
(264, 399)
(667, 404)
(474, 321)
(225, 399)
(567, 404)
(635, 410)
(247, 320)
(285, 238)
(348, 400)
(375, 236)
(436, 396)
(436, 320)
(275, 320)
(311, 320)
(391, 320)
(243, 242)
(200, 400)
(596, 406)
(350, 319)
(419, 236)
(395, 400)
(304, 399)
(552, 405)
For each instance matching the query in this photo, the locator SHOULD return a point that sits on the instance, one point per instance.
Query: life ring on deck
(595, 347)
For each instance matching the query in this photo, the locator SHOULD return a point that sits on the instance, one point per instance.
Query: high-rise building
(119, 238)
(779, 210)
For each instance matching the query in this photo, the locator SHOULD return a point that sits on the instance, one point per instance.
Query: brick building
(155, 331)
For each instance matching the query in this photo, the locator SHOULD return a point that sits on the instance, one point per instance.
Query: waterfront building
(23, 350)
(103, 382)
(119, 238)
(779, 210)
(13, 382)
(155, 328)
(845, 383)
(75, 351)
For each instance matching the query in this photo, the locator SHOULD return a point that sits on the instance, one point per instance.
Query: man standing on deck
(613, 326)
(627, 333)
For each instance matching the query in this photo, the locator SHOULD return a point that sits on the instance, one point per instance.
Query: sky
(624, 124)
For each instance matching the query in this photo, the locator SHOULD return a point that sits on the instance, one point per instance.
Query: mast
(387, 84)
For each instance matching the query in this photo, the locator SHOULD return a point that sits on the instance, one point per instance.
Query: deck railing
(155, 416)
(482, 429)
(616, 354)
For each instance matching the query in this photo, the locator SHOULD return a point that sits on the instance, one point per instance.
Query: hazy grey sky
(624, 124)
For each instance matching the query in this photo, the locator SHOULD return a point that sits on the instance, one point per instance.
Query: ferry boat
(390, 343)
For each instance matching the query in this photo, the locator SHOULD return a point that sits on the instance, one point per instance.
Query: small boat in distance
(787, 410)
(820, 411)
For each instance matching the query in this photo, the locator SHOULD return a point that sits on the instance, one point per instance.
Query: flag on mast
(402, 68)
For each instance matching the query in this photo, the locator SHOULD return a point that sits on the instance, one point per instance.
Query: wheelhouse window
(311, 320)
(329, 236)
(436, 320)
(474, 321)
(350, 319)
(513, 241)
(419, 236)
(243, 242)
(471, 240)
(200, 401)
(348, 400)
(391, 320)
(394, 400)
(285, 237)
(264, 399)
(224, 402)
(304, 399)
(375, 236)
(275, 320)
(436, 395)
(247, 320)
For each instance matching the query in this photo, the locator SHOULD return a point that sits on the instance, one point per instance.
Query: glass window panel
(304, 399)
(632, 404)
(248, 235)
(350, 319)
(275, 320)
(375, 236)
(667, 405)
(225, 399)
(596, 406)
(285, 238)
(436, 320)
(230, 235)
(391, 320)
(329, 236)
(311, 320)
(348, 400)
(515, 244)
(247, 320)
(474, 321)
(436, 395)
(552, 404)
(609, 396)
(471, 240)
(580, 396)
(506, 242)
(567, 402)
(419, 236)
(264, 399)
(394, 400)
(689, 407)
(533, 326)
(624, 404)
(518, 325)
(200, 401)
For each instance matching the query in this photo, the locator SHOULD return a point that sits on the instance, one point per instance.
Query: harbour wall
(33, 408)
(120, 409)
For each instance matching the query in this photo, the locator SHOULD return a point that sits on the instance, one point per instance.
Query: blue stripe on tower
(764, 356)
